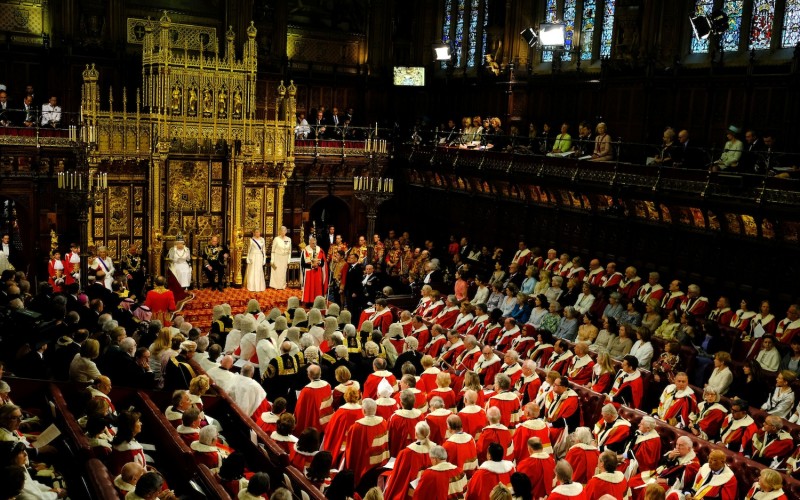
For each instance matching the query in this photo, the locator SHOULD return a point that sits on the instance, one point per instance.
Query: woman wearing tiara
(255, 263)
(281, 251)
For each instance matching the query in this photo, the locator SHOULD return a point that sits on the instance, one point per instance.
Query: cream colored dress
(255, 265)
(281, 251)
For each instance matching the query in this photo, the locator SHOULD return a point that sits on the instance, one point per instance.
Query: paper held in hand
(47, 436)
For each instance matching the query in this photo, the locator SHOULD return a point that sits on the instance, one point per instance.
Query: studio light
(705, 26)
(552, 35)
(442, 51)
(530, 36)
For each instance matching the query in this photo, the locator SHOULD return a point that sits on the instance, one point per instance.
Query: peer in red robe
(611, 434)
(571, 491)
(473, 419)
(681, 468)
(161, 302)
(645, 448)
(583, 458)
(409, 463)
(487, 366)
(382, 317)
(535, 427)
(495, 433)
(462, 451)
(539, 466)
(628, 387)
(581, 366)
(720, 483)
(708, 419)
(435, 344)
(675, 405)
(447, 394)
(314, 404)
(387, 407)
(737, 434)
(314, 275)
(508, 404)
(489, 474)
(606, 483)
(188, 434)
(367, 445)
(528, 385)
(401, 429)
(771, 446)
(374, 378)
(447, 317)
(338, 429)
(437, 420)
(442, 480)
(563, 413)
(512, 370)
(756, 493)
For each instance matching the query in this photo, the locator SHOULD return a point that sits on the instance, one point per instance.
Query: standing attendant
(215, 259)
(180, 258)
(255, 263)
(313, 261)
(281, 251)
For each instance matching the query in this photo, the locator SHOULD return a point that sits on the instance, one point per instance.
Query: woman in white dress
(281, 251)
(255, 263)
(180, 263)
(104, 263)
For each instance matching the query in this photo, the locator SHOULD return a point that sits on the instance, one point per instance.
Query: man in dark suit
(688, 154)
(32, 364)
(27, 115)
(353, 289)
(753, 149)
(318, 126)
(371, 285)
(327, 240)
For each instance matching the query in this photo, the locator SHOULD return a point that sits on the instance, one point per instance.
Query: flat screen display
(405, 76)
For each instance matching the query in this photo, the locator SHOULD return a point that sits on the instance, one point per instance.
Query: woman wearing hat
(732, 152)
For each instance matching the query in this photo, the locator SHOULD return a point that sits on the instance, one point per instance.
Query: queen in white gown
(281, 251)
(255, 263)
(180, 260)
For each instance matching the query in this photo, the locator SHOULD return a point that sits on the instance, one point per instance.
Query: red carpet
(197, 309)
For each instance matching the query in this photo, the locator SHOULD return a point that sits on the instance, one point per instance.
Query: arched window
(550, 16)
(607, 35)
(464, 28)
(701, 8)
(587, 28)
(791, 24)
(731, 37)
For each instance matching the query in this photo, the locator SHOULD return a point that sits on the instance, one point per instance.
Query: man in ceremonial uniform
(674, 299)
(442, 480)
(505, 401)
(511, 367)
(360, 250)
(612, 431)
(178, 372)
(378, 374)
(738, 428)
(531, 427)
(652, 289)
(314, 275)
(452, 350)
(367, 444)
(507, 336)
(580, 365)
(460, 446)
(608, 481)
(539, 466)
(723, 313)
(695, 304)
(789, 326)
(409, 463)
(281, 373)
(568, 488)
(487, 366)
(560, 358)
(714, 480)
(447, 316)
(628, 387)
(492, 472)
(133, 268)
(595, 275)
(523, 256)
(630, 284)
(315, 403)
(382, 317)
(436, 343)
(680, 465)
(402, 422)
(611, 279)
(772, 445)
(215, 259)
(352, 289)
(677, 401)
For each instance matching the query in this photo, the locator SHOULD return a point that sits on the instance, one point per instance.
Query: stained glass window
(730, 39)
(702, 8)
(464, 28)
(607, 35)
(569, 30)
(761, 27)
(587, 28)
(791, 24)
(550, 16)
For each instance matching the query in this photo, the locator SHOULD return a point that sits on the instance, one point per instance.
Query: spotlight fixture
(552, 35)
(705, 26)
(442, 51)
(530, 36)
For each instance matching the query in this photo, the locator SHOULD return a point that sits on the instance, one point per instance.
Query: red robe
(755, 493)
(268, 422)
(677, 404)
(628, 389)
(473, 419)
(367, 445)
(315, 277)
(437, 421)
(339, 427)
(210, 456)
(778, 446)
(441, 481)
(580, 369)
(528, 387)
(450, 355)
(526, 430)
(685, 469)
(487, 369)
(381, 320)
(121, 454)
(540, 468)
(593, 277)
(491, 334)
(558, 362)
(477, 326)
(509, 406)
(489, 475)
(737, 434)
(541, 353)
(513, 371)
(608, 435)
(411, 460)
(646, 449)
(433, 309)
(371, 384)
(447, 317)
(563, 408)
(161, 303)
(611, 281)
(421, 305)
(709, 419)
(427, 380)
(697, 307)
(401, 429)
(462, 452)
(420, 399)
(583, 459)
(786, 330)
(521, 258)
(314, 406)
(495, 433)
(673, 301)
(722, 485)
(463, 323)
(300, 459)
(423, 336)
(188, 434)
(434, 346)
(630, 288)
(386, 407)
(606, 483)
(602, 383)
(572, 491)
(506, 338)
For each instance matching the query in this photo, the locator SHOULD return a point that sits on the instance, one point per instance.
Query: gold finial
(292, 89)
(251, 30)
(230, 35)
(281, 89)
(165, 20)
